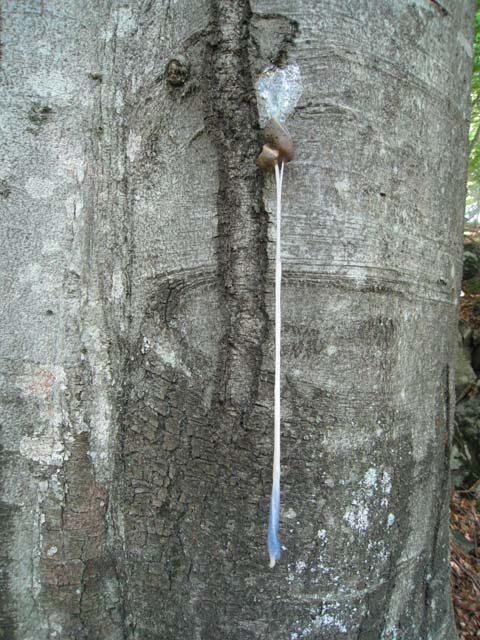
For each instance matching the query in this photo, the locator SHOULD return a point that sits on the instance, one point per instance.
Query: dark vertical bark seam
(442, 501)
(1, 32)
(8, 625)
(442, 10)
(242, 223)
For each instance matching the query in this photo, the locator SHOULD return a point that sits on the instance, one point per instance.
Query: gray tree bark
(137, 336)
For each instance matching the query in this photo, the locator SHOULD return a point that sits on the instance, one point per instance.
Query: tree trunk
(137, 341)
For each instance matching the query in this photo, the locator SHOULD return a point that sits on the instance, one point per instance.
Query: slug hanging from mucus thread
(278, 147)
(278, 91)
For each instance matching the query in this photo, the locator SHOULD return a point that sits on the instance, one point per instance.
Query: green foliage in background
(466, 438)
(473, 196)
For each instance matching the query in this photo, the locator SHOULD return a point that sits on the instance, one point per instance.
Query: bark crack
(242, 221)
(440, 8)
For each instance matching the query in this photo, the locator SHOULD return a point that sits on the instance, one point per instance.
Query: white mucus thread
(278, 90)
(274, 518)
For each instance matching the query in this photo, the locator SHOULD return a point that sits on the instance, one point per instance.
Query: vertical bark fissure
(440, 8)
(442, 505)
(7, 608)
(242, 222)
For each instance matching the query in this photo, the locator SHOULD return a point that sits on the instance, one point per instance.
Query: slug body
(279, 138)
(278, 146)
(268, 158)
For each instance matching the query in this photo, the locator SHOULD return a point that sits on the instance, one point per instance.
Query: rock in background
(466, 445)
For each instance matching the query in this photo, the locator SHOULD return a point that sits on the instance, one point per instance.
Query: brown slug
(278, 147)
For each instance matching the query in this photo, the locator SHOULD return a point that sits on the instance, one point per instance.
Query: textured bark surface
(137, 337)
